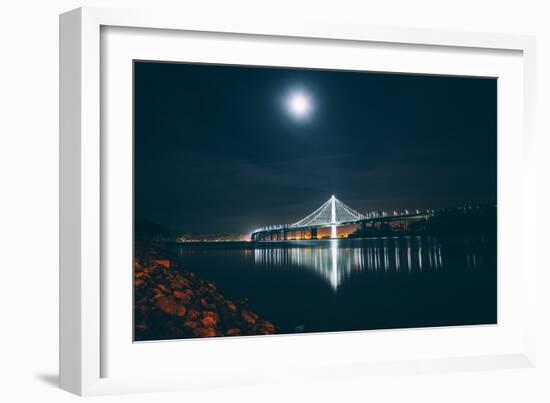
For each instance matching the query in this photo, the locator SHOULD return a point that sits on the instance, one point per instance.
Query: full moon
(299, 105)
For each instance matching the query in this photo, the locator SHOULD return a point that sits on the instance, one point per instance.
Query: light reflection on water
(337, 260)
(355, 284)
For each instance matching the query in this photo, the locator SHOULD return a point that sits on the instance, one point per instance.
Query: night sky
(218, 150)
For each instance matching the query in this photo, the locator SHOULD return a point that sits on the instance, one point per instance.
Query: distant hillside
(145, 229)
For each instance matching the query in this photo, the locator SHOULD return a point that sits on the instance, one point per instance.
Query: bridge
(333, 213)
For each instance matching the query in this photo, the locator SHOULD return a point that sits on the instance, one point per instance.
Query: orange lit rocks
(249, 317)
(204, 332)
(234, 331)
(209, 319)
(162, 262)
(172, 303)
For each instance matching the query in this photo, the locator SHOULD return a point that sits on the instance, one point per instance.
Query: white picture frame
(83, 296)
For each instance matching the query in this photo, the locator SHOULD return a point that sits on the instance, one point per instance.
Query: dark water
(356, 284)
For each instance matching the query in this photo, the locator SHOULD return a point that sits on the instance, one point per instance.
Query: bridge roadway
(280, 232)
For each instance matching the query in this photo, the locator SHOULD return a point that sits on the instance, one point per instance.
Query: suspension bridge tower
(333, 233)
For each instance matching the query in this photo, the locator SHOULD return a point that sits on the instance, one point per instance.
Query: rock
(248, 317)
(206, 304)
(209, 318)
(209, 314)
(268, 326)
(163, 296)
(162, 262)
(204, 332)
(193, 314)
(182, 282)
(231, 306)
(234, 331)
(208, 322)
(183, 296)
(170, 306)
(191, 324)
(179, 294)
(162, 287)
(141, 274)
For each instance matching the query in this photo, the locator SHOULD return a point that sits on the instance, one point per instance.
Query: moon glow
(299, 105)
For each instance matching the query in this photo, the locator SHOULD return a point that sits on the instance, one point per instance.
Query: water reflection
(337, 260)
(355, 284)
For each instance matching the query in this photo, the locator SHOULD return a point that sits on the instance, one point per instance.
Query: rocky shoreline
(173, 303)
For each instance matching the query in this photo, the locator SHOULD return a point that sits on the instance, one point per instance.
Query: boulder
(183, 296)
(191, 324)
(204, 332)
(231, 306)
(193, 314)
(162, 263)
(248, 317)
(170, 306)
(162, 297)
(234, 331)
(209, 318)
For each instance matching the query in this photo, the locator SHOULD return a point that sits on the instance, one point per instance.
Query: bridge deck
(292, 228)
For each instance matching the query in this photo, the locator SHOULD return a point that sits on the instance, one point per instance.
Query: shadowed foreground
(171, 303)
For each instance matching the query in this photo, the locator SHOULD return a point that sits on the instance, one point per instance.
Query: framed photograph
(263, 200)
